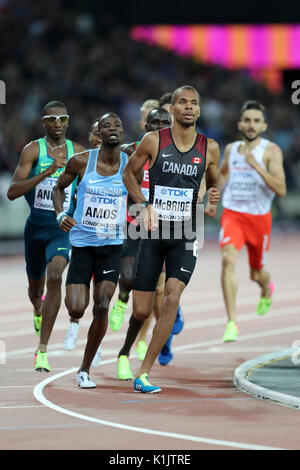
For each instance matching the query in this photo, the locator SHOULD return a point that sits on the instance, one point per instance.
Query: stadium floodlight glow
(273, 46)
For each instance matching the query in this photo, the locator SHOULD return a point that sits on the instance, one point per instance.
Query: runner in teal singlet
(46, 245)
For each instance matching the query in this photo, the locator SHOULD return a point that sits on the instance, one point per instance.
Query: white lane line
(38, 393)
(276, 312)
(17, 386)
(20, 406)
(189, 308)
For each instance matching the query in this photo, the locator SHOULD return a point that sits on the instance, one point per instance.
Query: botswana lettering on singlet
(173, 204)
(43, 195)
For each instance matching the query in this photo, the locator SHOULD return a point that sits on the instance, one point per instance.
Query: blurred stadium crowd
(93, 66)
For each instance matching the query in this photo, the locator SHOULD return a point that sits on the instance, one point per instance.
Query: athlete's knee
(141, 314)
(160, 289)
(35, 293)
(75, 309)
(102, 301)
(125, 282)
(255, 275)
(54, 279)
(172, 300)
(228, 261)
(101, 307)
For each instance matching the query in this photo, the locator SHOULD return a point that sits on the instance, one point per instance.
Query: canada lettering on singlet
(175, 178)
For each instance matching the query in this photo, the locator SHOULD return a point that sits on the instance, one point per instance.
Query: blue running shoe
(165, 355)
(179, 322)
(142, 385)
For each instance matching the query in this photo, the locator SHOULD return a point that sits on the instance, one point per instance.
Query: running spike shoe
(231, 332)
(123, 369)
(141, 384)
(116, 316)
(41, 362)
(265, 303)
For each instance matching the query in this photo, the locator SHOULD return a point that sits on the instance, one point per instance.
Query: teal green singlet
(42, 212)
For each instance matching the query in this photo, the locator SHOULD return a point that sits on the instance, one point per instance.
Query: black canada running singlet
(175, 178)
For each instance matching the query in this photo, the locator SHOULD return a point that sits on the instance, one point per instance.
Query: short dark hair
(184, 87)
(252, 104)
(158, 109)
(165, 99)
(106, 115)
(53, 104)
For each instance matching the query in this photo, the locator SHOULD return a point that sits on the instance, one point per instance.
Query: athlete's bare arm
(75, 167)
(130, 149)
(20, 185)
(212, 178)
(223, 172)
(273, 176)
(224, 167)
(78, 148)
(147, 149)
(211, 172)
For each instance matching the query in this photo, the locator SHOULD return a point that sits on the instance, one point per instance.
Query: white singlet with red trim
(245, 190)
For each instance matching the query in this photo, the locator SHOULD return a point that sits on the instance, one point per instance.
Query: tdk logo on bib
(175, 192)
(173, 204)
(104, 200)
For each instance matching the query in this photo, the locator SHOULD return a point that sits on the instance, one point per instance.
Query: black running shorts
(102, 261)
(180, 257)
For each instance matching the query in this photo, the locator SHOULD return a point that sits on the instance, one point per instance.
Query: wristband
(60, 216)
(145, 204)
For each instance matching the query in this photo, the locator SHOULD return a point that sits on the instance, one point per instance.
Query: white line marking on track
(276, 312)
(38, 393)
(21, 406)
(17, 386)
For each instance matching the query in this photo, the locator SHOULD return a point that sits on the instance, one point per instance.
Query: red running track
(199, 407)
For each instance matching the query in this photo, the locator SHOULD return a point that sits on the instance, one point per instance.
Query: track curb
(243, 372)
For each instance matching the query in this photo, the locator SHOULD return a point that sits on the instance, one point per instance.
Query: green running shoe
(265, 303)
(41, 362)
(141, 350)
(231, 332)
(123, 369)
(116, 316)
(37, 323)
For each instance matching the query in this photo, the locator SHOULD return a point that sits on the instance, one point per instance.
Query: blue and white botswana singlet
(101, 206)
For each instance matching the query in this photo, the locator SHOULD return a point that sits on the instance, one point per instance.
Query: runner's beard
(187, 124)
(250, 139)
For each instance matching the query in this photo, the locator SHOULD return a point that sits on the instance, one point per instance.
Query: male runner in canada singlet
(157, 118)
(96, 232)
(178, 157)
(46, 246)
(251, 174)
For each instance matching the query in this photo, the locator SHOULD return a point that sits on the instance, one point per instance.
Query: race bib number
(243, 189)
(103, 212)
(43, 195)
(173, 204)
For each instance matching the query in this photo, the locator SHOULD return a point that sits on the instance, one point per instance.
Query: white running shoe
(83, 380)
(70, 342)
(97, 358)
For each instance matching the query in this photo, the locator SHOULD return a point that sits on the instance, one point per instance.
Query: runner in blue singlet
(96, 231)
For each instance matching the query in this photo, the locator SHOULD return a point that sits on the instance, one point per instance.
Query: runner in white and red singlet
(251, 174)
